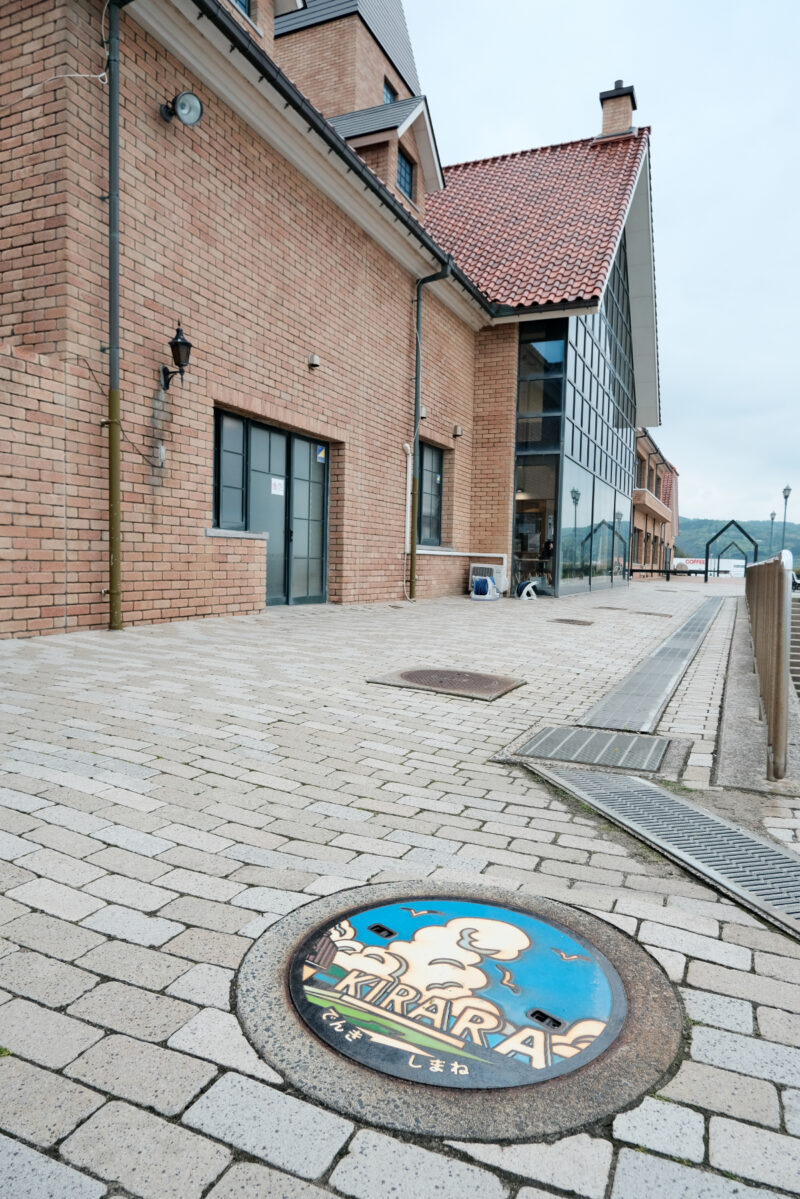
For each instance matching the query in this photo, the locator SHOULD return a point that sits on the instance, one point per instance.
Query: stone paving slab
(47, 1037)
(177, 777)
(40, 1106)
(44, 979)
(142, 1073)
(133, 1010)
(284, 1131)
(378, 1165)
(145, 1154)
(27, 1174)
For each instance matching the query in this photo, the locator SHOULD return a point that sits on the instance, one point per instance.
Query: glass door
(267, 502)
(307, 534)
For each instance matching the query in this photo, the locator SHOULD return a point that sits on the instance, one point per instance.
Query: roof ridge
(578, 141)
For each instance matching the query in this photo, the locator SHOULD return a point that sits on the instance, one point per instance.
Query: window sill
(240, 533)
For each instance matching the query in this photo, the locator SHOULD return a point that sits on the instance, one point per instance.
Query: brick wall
(339, 66)
(220, 232)
(494, 438)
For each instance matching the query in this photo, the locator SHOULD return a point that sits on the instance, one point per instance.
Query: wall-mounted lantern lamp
(181, 349)
(186, 106)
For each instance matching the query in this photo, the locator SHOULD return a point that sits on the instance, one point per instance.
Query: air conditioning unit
(488, 570)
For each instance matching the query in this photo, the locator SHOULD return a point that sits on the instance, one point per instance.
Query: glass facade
(575, 455)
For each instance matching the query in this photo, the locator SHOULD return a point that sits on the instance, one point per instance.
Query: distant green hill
(694, 533)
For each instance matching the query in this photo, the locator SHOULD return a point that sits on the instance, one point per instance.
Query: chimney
(618, 107)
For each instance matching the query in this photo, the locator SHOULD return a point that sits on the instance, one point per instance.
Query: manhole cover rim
(640, 1058)
(500, 684)
(616, 994)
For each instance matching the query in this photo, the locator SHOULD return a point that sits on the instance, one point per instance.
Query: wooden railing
(768, 587)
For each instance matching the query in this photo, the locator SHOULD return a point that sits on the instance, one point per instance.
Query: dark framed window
(405, 174)
(389, 94)
(429, 517)
(244, 5)
(247, 458)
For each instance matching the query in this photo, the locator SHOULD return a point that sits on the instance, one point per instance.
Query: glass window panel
(277, 453)
(300, 540)
(538, 433)
(300, 504)
(299, 578)
(301, 452)
(315, 577)
(576, 505)
(315, 538)
(232, 465)
(231, 514)
(259, 448)
(540, 396)
(603, 519)
(430, 507)
(535, 521)
(232, 433)
(405, 174)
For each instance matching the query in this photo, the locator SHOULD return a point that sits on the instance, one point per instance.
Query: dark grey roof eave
(241, 40)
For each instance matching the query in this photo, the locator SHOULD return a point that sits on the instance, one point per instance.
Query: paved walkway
(168, 793)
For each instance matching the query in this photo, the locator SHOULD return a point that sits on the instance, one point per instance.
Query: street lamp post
(576, 495)
(787, 491)
(772, 516)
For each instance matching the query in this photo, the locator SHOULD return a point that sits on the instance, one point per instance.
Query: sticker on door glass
(320, 453)
(457, 993)
(278, 486)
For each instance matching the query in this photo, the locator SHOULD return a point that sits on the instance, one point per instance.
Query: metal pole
(113, 418)
(787, 491)
(444, 273)
(772, 516)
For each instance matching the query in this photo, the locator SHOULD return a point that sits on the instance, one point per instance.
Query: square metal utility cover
(465, 683)
(597, 747)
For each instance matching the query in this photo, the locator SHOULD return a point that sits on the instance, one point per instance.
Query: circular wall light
(186, 106)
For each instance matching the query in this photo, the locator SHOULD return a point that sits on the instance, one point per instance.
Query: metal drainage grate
(569, 620)
(629, 751)
(748, 868)
(636, 704)
(464, 683)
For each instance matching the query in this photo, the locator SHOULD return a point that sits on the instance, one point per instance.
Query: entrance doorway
(275, 482)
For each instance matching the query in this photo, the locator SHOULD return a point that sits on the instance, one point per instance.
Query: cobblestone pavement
(169, 792)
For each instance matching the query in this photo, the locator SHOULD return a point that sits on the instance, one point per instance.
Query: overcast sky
(717, 81)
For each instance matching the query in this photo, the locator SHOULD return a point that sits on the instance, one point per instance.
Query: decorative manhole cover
(467, 684)
(453, 993)
(483, 1014)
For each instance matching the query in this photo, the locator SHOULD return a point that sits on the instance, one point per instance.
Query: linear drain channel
(593, 747)
(749, 869)
(636, 704)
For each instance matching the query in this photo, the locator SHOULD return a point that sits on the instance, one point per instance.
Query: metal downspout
(444, 273)
(113, 418)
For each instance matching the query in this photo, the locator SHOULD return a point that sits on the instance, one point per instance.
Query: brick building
(655, 508)
(287, 231)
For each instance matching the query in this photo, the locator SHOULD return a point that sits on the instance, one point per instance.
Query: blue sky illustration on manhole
(457, 993)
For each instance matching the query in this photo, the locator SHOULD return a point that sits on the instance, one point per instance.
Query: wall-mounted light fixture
(423, 412)
(181, 349)
(458, 431)
(313, 362)
(186, 106)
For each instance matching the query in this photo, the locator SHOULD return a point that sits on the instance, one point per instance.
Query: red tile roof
(542, 226)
